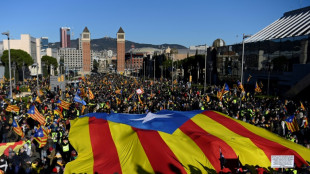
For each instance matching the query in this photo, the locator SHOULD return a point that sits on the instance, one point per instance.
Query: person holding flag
(36, 115)
(17, 128)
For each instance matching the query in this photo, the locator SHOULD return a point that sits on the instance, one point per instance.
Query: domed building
(218, 43)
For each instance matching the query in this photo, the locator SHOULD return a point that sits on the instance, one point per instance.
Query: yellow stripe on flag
(235, 141)
(129, 149)
(275, 138)
(79, 138)
(192, 156)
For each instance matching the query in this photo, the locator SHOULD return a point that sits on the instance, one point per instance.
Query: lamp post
(14, 68)
(205, 80)
(23, 68)
(210, 69)
(270, 68)
(242, 59)
(242, 62)
(9, 51)
(197, 72)
(36, 65)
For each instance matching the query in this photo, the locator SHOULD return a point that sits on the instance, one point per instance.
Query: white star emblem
(150, 116)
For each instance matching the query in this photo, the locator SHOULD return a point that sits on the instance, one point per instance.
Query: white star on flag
(150, 116)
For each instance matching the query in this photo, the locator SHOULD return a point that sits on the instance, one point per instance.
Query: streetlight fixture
(9, 51)
(23, 68)
(14, 68)
(242, 59)
(205, 80)
(210, 69)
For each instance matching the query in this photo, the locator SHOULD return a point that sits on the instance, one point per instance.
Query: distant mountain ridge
(108, 43)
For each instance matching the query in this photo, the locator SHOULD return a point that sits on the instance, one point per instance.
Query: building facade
(65, 37)
(120, 51)
(86, 52)
(30, 45)
(79, 59)
(44, 42)
(276, 55)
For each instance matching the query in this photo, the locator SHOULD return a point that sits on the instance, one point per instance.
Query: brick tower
(120, 51)
(86, 52)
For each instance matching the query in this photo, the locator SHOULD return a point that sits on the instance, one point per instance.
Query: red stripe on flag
(159, 154)
(13, 146)
(209, 144)
(103, 146)
(268, 146)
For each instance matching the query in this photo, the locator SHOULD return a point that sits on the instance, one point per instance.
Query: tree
(19, 57)
(48, 61)
(95, 65)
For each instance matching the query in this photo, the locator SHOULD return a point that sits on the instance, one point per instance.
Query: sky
(185, 22)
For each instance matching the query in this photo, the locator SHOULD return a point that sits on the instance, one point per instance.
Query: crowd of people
(120, 94)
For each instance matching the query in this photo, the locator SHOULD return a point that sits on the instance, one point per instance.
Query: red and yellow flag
(15, 146)
(90, 94)
(184, 140)
(257, 88)
(302, 106)
(12, 108)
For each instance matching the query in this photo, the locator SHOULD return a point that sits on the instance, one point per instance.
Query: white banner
(282, 161)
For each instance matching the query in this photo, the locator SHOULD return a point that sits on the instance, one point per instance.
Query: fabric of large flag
(12, 108)
(41, 139)
(291, 123)
(170, 141)
(17, 128)
(64, 104)
(15, 146)
(35, 114)
(79, 100)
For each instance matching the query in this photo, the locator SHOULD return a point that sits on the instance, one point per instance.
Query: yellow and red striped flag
(41, 136)
(291, 124)
(17, 128)
(157, 141)
(90, 94)
(64, 104)
(302, 106)
(12, 108)
(257, 88)
(38, 99)
(36, 115)
(15, 146)
(58, 112)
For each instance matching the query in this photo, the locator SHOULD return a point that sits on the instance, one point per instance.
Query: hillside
(108, 43)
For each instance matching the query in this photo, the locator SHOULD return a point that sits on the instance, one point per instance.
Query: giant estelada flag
(172, 142)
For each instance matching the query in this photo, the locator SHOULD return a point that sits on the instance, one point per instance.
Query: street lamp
(210, 69)
(205, 81)
(9, 51)
(14, 68)
(36, 65)
(270, 68)
(242, 59)
(23, 68)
